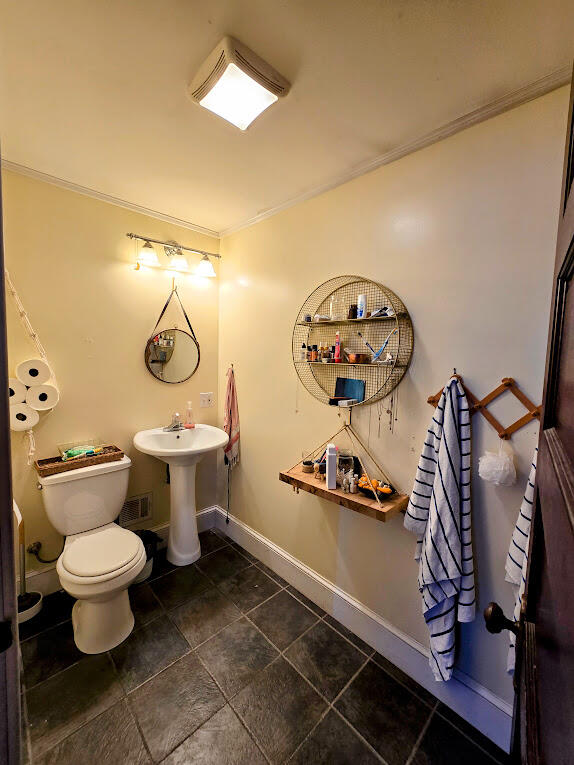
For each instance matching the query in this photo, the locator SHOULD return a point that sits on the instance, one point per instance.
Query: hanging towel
(231, 421)
(517, 558)
(439, 513)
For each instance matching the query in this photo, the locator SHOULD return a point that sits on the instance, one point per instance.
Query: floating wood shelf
(358, 502)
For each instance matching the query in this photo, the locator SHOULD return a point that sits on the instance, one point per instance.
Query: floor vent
(136, 509)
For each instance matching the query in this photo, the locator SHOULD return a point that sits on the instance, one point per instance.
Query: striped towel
(231, 421)
(439, 513)
(517, 558)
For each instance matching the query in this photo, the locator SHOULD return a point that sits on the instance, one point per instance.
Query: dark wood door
(9, 680)
(547, 656)
(544, 674)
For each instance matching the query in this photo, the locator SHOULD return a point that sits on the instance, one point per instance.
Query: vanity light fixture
(177, 260)
(179, 263)
(147, 255)
(236, 83)
(205, 267)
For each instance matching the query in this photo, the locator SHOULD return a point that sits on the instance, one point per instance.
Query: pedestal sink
(182, 450)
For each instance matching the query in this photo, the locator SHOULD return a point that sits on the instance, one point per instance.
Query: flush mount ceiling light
(236, 84)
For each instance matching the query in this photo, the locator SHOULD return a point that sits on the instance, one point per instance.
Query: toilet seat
(100, 554)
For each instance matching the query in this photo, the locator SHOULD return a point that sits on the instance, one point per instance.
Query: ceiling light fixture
(177, 261)
(205, 268)
(236, 83)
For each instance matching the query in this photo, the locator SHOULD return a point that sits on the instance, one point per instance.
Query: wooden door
(547, 659)
(544, 675)
(9, 680)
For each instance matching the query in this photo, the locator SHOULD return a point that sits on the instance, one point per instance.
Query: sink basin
(182, 450)
(180, 447)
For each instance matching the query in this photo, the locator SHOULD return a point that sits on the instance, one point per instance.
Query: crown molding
(529, 92)
(14, 167)
(515, 98)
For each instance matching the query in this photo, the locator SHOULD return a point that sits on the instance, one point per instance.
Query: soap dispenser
(189, 423)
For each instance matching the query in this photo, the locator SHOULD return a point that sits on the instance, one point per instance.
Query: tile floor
(228, 664)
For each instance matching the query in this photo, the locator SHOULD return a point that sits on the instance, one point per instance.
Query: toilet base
(100, 625)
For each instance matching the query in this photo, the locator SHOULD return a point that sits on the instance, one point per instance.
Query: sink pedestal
(182, 449)
(183, 543)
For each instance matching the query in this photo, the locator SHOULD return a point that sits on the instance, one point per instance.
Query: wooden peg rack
(480, 405)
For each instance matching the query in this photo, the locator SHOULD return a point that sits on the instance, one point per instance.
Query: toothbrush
(369, 346)
(384, 345)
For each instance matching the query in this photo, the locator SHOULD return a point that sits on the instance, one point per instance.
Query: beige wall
(72, 265)
(464, 231)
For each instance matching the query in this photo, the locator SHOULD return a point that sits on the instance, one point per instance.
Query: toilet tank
(85, 498)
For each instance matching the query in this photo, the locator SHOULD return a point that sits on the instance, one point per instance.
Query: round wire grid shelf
(332, 299)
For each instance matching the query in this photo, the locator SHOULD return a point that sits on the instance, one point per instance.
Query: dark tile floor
(228, 664)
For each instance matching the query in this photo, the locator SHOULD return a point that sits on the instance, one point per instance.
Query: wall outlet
(205, 400)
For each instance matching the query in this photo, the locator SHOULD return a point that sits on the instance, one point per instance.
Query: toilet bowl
(96, 567)
(100, 559)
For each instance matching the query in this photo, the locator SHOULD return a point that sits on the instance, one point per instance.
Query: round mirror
(172, 355)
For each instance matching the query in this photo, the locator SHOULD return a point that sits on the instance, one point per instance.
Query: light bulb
(148, 256)
(179, 263)
(238, 98)
(205, 268)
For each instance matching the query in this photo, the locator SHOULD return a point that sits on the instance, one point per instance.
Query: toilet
(100, 559)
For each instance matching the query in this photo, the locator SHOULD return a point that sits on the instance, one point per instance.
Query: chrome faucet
(176, 423)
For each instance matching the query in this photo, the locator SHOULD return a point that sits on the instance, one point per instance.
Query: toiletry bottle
(331, 460)
(303, 353)
(362, 307)
(337, 348)
(189, 423)
(314, 353)
(353, 484)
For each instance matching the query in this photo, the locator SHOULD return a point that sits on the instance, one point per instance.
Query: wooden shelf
(358, 502)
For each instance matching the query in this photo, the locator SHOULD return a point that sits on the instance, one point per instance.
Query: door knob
(496, 621)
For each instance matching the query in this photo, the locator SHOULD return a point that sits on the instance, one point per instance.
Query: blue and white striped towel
(439, 513)
(517, 558)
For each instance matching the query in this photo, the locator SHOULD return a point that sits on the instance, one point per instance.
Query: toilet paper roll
(16, 391)
(42, 397)
(33, 372)
(23, 417)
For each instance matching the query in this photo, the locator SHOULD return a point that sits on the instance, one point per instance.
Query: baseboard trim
(46, 580)
(485, 710)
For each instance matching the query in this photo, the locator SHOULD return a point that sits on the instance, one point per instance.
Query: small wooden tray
(53, 465)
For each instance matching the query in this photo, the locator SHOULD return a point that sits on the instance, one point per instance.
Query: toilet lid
(101, 551)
